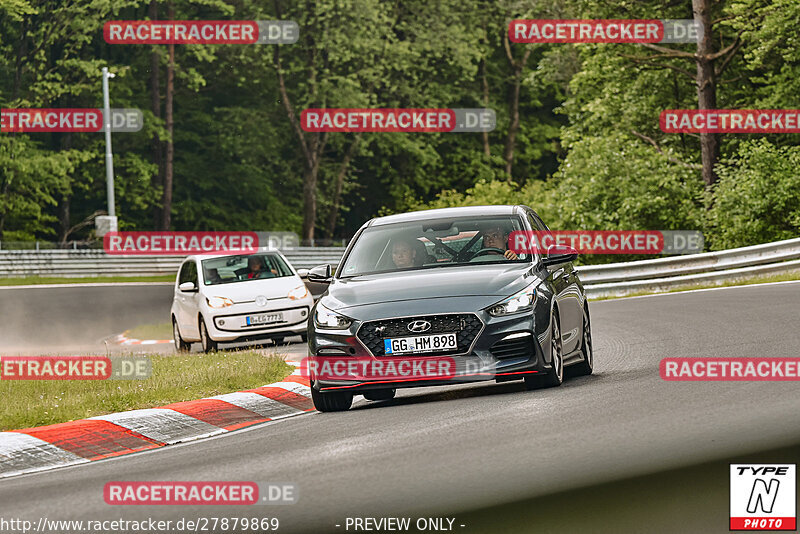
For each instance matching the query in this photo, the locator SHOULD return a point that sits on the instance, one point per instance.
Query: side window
(538, 226)
(188, 273)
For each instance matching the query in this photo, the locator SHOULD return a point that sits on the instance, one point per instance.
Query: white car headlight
(298, 293)
(325, 318)
(219, 302)
(519, 302)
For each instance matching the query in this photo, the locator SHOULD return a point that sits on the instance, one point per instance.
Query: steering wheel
(487, 250)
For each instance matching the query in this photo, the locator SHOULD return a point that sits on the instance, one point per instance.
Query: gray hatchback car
(442, 285)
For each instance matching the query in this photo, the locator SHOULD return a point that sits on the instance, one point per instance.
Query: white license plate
(418, 344)
(264, 318)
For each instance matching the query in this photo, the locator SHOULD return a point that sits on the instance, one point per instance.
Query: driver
(494, 236)
(255, 267)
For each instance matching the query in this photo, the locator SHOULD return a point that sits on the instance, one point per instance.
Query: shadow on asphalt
(477, 389)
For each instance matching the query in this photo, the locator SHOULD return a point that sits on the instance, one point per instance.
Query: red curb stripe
(289, 398)
(92, 439)
(298, 379)
(218, 413)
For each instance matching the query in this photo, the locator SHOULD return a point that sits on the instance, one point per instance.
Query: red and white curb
(121, 339)
(85, 440)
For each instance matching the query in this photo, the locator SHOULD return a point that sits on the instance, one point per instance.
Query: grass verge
(150, 331)
(743, 282)
(174, 379)
(41, 280)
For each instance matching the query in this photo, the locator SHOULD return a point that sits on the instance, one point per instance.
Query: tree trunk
(513, 108)
(706, 89)
(166, 198)
(485, 83)
(485, 86)
(157, 180)
(309, 204)
(333, 216)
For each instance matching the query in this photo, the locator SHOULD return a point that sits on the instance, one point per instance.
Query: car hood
(468, 280)
(247, 291)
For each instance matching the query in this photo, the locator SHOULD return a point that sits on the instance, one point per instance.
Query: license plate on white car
(420, 344)
(264, 318)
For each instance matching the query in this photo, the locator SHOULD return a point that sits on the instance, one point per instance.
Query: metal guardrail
(618, 279)
(93, 263)
(614, 279)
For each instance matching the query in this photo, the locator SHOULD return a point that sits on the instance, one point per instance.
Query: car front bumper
(230, 324)
(505, 348)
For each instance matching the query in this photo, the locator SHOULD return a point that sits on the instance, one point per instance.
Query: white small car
(240, 297)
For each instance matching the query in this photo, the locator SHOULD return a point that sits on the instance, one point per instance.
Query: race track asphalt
(446, 451)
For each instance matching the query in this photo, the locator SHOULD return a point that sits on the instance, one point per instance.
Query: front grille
(512, 348)
(466, 325)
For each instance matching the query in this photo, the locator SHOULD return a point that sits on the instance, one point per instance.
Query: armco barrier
(92, 263)
(613, 279)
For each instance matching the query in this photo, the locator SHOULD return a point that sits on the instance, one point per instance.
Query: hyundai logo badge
(419, 326)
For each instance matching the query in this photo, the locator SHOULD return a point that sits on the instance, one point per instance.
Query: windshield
(231, 269)
(433, 243)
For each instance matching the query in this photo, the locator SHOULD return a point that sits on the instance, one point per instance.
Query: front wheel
(586, 366)
(205, 339)
(333, 401)
(180, 344)
(555, 375)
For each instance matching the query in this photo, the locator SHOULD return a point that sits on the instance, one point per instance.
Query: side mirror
(302, 273)
(188, 287)
(320, 274)
(558, 254)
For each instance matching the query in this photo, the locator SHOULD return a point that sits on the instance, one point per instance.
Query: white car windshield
(232, 269)
(433, 243)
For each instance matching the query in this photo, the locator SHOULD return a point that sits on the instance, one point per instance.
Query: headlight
(516, 303)
(219, 302)
(298, 293)
(325, 318)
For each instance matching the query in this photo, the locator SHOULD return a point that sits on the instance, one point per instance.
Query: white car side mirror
(187, 287)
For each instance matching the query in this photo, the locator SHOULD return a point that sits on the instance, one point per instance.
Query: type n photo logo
(763, 497)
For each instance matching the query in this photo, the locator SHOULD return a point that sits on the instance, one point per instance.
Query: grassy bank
(174, 379)
(150, 331)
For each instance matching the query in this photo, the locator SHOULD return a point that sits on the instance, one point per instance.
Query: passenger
(404, 254)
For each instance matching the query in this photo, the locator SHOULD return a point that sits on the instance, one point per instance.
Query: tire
(278, 340)
(206, 342)
(180, 344)
(380, 394)
(304, 337)
(554, 376)
(586, 366)
(334, 401)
